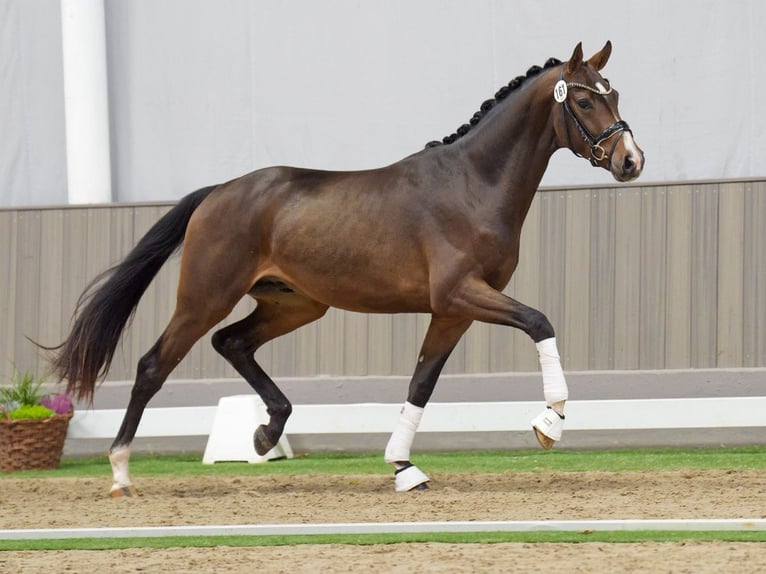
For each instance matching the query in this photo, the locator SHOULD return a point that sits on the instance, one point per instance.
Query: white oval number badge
(560, 91)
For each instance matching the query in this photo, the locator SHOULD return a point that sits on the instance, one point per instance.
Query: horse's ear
(599, 60)
(575, 61)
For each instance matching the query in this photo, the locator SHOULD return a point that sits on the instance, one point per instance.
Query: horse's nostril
(628, 165)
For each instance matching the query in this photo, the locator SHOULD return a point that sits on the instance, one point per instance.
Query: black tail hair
(108, 303)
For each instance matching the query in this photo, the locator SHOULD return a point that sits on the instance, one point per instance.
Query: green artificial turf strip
(365, 539)
(733, 458)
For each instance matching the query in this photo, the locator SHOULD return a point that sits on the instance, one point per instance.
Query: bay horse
(436, 232)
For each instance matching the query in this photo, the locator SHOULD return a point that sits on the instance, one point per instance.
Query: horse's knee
(538, 325)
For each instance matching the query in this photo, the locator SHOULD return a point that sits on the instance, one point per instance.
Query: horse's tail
(108, 303)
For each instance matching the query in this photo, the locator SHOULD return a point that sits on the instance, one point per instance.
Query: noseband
(597, 152)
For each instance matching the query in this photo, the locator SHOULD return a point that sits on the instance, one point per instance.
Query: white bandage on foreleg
(554, 383)
(398, 447)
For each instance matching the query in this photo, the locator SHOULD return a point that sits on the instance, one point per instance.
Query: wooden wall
(632, 277)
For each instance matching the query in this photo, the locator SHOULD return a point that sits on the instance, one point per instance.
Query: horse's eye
(584, 104)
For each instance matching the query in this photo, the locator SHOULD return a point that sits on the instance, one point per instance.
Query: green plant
(31, 412)
(24, 399)
(24, 390)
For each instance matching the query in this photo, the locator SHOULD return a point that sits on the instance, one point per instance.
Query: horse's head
(590, 123)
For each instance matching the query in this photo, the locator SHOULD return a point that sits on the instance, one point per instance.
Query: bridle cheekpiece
(597, 152)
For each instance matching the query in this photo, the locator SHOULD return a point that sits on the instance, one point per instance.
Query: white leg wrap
(554, 383)
(398, 447)
(119, 461)
(550, 422)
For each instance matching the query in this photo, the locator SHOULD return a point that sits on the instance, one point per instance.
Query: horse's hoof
(548, 426)
(122, 491)
(409, 478)
(261, 442)
(545, 442)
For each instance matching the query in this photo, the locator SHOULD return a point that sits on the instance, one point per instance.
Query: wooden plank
(477, 348)
(652, 279)
(279, 355)
(602, 253)
(355, 343)
(330, 337)
(704, 276)
(552, 264)
(306, 354)
(8, 284)
(678, 278)
(575, 341)
(714, 309)
(25, 355)
(731, 218)
(627, 276)
(380, 345)
(754, 276)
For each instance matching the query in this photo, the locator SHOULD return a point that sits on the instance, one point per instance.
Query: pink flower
(59, 404)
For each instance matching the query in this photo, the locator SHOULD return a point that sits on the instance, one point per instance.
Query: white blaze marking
(600, 87)
(631, 148)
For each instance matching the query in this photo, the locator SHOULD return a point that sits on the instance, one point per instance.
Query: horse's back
(348, 239)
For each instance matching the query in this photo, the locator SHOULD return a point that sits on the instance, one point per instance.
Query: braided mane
(487, 105)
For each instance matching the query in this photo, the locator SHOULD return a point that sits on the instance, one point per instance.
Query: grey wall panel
(627, 271)
(731, 252)
(754, 278)
(602, 287)
(655, 277)
(678, 277)
(704, 284)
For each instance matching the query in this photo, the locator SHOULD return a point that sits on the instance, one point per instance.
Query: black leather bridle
(597, 152)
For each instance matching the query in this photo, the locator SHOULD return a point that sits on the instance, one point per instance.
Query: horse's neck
(511, 150)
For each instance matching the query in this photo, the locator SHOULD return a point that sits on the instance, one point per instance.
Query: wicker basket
(32, 444)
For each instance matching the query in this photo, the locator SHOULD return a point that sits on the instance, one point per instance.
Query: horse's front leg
(441, 338)
(483, 303)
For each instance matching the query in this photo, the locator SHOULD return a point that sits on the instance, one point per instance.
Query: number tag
(560, 91)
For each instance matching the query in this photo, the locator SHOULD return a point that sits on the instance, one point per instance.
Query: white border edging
(635, 414)
(691, 524)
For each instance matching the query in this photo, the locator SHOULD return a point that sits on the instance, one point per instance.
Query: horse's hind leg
(279, 311)
(203, 300)
(183, 330)
(442, 336)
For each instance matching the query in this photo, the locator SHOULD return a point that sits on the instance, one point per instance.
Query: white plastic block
(231, 437)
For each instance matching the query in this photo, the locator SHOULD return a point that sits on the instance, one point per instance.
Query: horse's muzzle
(627, 161)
